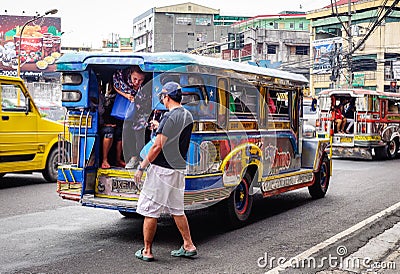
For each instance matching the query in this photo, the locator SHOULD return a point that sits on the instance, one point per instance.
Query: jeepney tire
(392, 148)
(1, 175)
(131, 215)
(50, 172)
(237, 208)
(381, 153)
(320, 186)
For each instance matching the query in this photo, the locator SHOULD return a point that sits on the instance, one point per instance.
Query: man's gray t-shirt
(177, 125)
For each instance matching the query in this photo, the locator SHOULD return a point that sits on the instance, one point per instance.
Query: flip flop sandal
(183, 253)
(140, 256)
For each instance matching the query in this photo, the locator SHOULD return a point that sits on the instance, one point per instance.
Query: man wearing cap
(164, 186)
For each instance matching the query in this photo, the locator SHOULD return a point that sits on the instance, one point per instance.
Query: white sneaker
(133, 162)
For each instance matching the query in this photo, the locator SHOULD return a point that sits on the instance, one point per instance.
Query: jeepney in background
(376, 130)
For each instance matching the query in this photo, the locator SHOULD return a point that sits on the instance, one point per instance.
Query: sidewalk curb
(378, 249)
(346, 242)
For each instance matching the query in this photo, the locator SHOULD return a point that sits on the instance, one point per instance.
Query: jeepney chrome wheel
(323, 176)
(238, 205)
(241, 197)
(320, 186)
(392, 148)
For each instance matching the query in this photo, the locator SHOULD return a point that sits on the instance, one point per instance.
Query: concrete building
(279, 41)
(355, 43)
(182, 27)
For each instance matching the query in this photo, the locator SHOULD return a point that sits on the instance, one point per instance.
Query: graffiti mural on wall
(40, 45)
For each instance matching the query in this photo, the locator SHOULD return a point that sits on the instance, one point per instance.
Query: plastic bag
(123, 108)
(145, 150)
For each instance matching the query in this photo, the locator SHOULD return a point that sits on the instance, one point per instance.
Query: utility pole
(350, 41)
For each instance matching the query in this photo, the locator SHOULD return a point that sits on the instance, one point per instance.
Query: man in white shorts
(164, 186)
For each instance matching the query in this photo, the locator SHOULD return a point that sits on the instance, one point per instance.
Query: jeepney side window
(373, 103)
(281, 100)
(263, 107)
(193, 89)
(190, 97)
(393, 106)
(12, 98)
(222, 103)
(243, 101)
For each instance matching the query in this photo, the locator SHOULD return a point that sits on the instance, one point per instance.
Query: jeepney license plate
(124, 186)
(346, 140)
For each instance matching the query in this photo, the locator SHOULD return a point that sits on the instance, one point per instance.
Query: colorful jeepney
(376, 130)
(240, 144)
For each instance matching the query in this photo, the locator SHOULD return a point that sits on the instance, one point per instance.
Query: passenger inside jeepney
(340, 120)
(111, 129)
(350, 110)
(271, 105)
(393, 107)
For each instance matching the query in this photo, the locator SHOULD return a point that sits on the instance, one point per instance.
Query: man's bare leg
(107, 143)
(149, 230)
(183, 226)
(118, 155)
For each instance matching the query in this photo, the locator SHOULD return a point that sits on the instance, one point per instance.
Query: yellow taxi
(28, 141)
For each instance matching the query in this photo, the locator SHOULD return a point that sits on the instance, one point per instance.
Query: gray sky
(87, 22)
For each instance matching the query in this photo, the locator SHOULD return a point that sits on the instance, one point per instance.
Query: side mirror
(27, 105)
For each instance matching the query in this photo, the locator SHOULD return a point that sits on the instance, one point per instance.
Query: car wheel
(50, 172)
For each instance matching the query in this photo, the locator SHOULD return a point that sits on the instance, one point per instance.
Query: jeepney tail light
(325, 126)
(317, 123)
(363, 129)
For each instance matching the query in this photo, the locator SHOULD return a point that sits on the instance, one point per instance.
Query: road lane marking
(304, 255)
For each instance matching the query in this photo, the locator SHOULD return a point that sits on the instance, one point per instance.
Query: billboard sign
(324, 51)
(40, 45)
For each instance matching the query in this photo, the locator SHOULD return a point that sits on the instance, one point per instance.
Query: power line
(377, 22)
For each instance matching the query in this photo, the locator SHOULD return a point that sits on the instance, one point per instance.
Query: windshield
(325, 103)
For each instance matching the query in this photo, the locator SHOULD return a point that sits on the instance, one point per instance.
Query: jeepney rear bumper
(352, 152)
(116, 204)
(358, 150)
